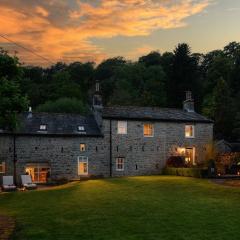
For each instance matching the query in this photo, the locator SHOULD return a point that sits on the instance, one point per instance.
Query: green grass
(159, 207)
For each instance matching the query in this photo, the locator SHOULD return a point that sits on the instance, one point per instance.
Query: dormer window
(43, 127)
(81, 128)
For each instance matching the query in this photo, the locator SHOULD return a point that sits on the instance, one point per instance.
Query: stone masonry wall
(143, 155)
(148, 155)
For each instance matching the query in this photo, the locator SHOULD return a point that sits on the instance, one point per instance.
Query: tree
(139, 85)
(62, 86)
(63, 105)
(184, 76)
(11, 104)
(153, 58)
(105, 72)
(220, 108)
(9, 66)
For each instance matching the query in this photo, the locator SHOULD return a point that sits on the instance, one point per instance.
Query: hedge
(186, 172)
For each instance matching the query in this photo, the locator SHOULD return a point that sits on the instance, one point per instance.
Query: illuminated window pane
(189, 131)
(82, 165)
(120, 164)
(82, 147)
(148, 130)
(2, 167)
(122, 127)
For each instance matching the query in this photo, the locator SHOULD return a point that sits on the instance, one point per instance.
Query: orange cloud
(59, 30)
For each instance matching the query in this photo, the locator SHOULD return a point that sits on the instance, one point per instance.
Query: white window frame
(80, 146)
(122, 127)
(82, 159)
(43, 127)
(117, 164)
(182, 152)
(3, 166)
(38, 166)
(152, 130)
(193, 130)
(194, 153)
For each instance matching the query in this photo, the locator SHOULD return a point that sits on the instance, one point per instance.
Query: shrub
(186, 172)
(175, 161)
(63, 105)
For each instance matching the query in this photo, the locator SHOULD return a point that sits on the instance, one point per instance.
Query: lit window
(81, 128)
(122, 127)
(188, 154)
(189, 131)
(2, 167)
(82, 147)
(39, 172)
(82, 165)
(148, 130)
(43, 127)
(120, 164)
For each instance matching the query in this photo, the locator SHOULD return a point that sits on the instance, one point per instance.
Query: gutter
(158, 120)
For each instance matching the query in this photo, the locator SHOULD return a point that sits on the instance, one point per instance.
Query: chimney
(29, 112)
(188, 104)
(97, 105)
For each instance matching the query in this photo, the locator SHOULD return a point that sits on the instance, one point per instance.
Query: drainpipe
(110, 165)
(14, 160)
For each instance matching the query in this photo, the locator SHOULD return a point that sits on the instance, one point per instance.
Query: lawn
(158, 207)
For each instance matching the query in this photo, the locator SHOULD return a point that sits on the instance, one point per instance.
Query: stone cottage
(112, 141)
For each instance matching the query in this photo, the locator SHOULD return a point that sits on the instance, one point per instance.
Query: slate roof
(58, 124)
(153, 113)
(223, 146)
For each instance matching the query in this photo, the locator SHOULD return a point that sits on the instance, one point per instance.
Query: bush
(175, 161)
(63, 105)
(186, 172)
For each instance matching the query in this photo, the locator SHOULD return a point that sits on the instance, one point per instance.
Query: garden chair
(8, 184)
(27, 182)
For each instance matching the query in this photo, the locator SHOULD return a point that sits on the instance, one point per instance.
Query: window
(82, 165)
(82, 147)
(122, 127)
(188, 154)
(120, 164)
(189, 131)
(148, 130)
(2, 167)
(81, 128)
(39, 172)
(43, 127)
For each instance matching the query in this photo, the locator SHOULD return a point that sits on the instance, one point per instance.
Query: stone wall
(143, 155)
(148, 155)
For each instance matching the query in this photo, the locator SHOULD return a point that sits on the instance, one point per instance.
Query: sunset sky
(93, 30)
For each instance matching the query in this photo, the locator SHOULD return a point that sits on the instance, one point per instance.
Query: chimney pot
(29, 112)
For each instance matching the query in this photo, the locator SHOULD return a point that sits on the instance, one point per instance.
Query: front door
(82, 165)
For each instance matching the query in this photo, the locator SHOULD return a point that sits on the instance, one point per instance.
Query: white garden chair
(8, 184)
(27, 182)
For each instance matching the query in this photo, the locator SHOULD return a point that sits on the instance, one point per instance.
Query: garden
(149, 207)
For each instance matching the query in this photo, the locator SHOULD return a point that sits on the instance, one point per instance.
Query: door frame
(82, 159)
(194, 154)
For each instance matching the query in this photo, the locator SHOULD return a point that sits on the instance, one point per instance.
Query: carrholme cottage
(111, 141)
